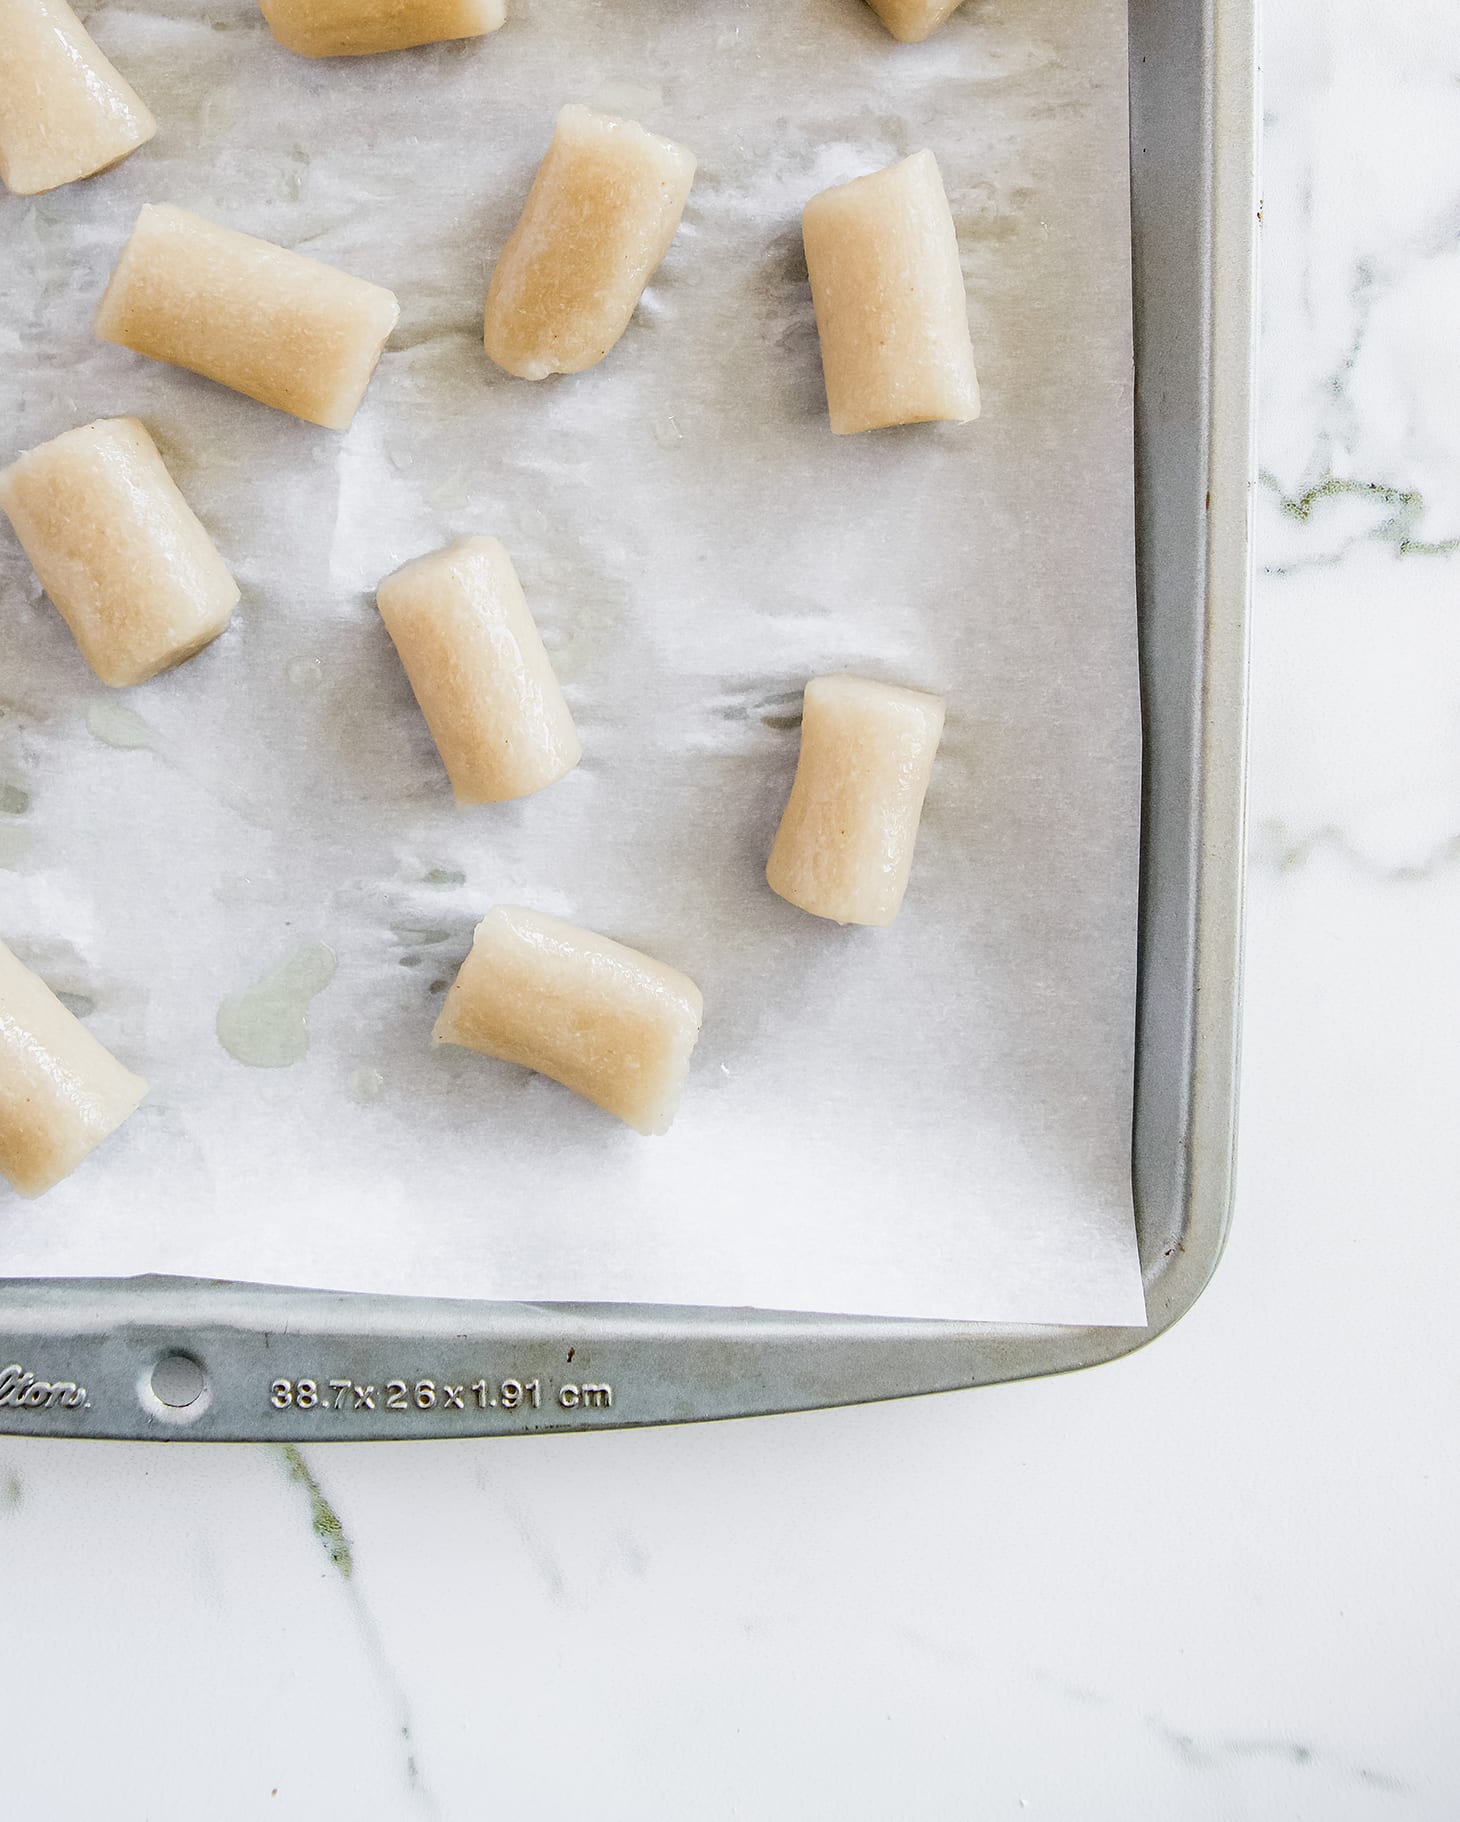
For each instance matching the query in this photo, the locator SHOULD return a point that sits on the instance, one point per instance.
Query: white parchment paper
(932, 1120)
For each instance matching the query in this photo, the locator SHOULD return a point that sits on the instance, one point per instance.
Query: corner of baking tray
(1184, 1269)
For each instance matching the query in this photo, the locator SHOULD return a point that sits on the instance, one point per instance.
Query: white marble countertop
(1214, 1580)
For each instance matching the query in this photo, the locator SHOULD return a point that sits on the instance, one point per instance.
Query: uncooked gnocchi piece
(118, 549)
(479, 671)
(891, 311)
(600, 215)
(845, 845)
(65, 113)
(911, 21)
(358, 28)
(61, 1093)
(289, 331)
(606, 1021)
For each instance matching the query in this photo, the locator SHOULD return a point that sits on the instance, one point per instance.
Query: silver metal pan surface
(172, 1358)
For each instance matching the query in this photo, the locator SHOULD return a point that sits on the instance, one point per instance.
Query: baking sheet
(932, 1120)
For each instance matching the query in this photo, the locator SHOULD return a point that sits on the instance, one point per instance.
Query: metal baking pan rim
(78, 1356)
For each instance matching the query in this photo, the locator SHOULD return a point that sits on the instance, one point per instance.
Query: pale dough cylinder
(61, 1093)
(606, 1021)
(118, 549)
(359, 28)
(476, 663)
(600, 215)
(289, 331)
(911, 21)
(882, 253)
(845, 845)
(64, 111)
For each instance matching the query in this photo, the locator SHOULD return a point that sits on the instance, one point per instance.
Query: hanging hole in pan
(179, 1383)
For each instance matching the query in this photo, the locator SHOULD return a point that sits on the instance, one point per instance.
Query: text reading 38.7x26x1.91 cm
(345, 1394)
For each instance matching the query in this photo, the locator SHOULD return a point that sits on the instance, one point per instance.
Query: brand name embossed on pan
(27, 1393)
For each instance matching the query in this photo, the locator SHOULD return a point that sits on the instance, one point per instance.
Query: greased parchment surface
(931, 1120)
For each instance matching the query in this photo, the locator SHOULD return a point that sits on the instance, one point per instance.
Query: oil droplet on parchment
(365, 1085)
(412, 936)
(304, 674)
(266, 1027)
(13, 841)
(115, 725)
